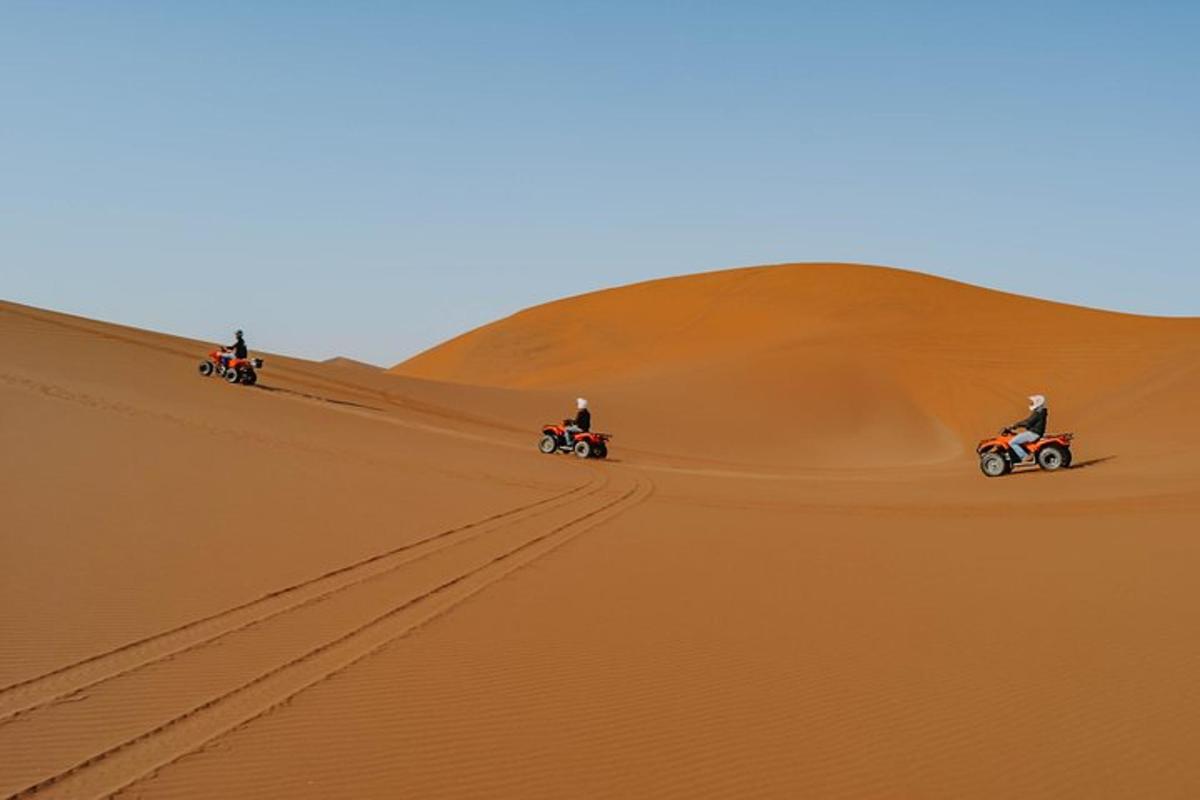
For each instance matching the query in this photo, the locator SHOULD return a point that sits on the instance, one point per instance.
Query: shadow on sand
(1032, 469)
(280, 390)
(1091, 462)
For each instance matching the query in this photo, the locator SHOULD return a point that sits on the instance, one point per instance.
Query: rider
(1034, 425)
(236, 350)
(582, 422)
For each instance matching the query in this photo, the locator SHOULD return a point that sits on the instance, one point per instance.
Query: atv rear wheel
(548, 444)
(993, 465)
(250, 377)
(583, 449)
(1052, 457)
(231, 376)
(205, 368)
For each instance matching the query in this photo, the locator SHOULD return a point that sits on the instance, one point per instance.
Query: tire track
(32, 693)
(128, 762)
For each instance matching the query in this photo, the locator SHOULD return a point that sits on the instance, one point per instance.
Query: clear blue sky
(370, 178)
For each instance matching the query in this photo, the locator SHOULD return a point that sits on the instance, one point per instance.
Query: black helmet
(238, 333)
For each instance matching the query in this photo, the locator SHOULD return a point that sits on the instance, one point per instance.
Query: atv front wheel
(993, 465)
(583, 449)
(250, 377)
(1052, 457)
(548, 444)
(205, 368)
(231, 376)
(600, 451)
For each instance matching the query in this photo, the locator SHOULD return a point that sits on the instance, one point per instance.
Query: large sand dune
(789, 580)
(824, 364)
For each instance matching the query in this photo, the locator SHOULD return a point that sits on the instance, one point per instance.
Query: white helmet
(1036, 401)
(581, 403)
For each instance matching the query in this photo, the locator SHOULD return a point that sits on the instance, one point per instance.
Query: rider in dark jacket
(1034, 425)
(1035, 422)
(236, 350)
(582, 422)
(239, 347)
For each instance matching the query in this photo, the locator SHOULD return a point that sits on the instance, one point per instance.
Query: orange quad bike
(221, 363)
(1051, 452)
(587, 444)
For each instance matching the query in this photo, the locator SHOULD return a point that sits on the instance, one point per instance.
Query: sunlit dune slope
(824, 364)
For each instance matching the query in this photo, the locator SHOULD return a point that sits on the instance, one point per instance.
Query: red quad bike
(234, 370)
(555, 439)
(1051, 452)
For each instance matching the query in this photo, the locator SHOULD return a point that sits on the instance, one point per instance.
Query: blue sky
(370, 178)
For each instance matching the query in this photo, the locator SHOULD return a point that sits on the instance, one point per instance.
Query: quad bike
(221, 363)
(997, 458)
(587, 444)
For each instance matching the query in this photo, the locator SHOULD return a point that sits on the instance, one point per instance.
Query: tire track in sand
(117, 767)
(63, 682)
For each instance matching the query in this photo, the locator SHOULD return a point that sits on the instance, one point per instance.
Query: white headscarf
(581, 403)
(1036, 401)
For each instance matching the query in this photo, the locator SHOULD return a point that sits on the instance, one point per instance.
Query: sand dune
(825, 365)
(788, 581)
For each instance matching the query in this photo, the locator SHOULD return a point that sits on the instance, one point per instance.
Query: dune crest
(830, 365)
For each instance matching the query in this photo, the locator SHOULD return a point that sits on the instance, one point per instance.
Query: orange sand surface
(788, 580)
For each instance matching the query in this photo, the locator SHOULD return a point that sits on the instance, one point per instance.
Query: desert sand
(788, 580)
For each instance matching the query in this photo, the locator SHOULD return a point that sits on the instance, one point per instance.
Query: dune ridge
(828, 365)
